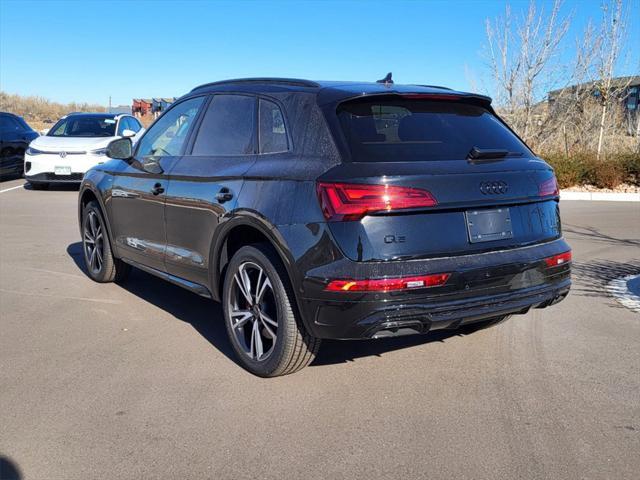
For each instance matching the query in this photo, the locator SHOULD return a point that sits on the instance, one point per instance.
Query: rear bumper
(480, 287)
(387, 321)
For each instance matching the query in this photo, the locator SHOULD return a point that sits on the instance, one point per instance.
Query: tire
(268, 313)
(39, 185)
(99, 261)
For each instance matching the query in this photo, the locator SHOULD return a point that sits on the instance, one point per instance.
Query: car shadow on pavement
(56, 187)
(206, 317)
(590, 279)
(8, 469)
(344, 351)
(203, 314)
(593, 234)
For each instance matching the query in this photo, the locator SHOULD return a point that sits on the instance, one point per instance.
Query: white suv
(75, 144)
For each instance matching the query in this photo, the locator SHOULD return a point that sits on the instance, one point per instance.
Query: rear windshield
(403, 130)
(84, 126)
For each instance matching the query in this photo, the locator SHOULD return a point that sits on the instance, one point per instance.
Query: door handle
(157, 189)
(224, 195)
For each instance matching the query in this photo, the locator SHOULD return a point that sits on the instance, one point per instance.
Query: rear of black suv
(438, 215)
(316, 210)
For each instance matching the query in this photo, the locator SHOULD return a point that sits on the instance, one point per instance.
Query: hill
(40, 112)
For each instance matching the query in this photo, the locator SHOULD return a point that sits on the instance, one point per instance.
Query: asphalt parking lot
(138, 381)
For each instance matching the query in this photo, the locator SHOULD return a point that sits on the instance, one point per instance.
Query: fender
(252, 219)
(87, 184)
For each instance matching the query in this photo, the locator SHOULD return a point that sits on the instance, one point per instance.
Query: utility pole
(109, 103)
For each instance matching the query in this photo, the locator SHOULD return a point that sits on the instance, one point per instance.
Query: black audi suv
(316, 210)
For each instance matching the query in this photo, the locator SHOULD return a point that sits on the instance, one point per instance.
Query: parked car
(15, 135)
(308, 218)
(74, 144)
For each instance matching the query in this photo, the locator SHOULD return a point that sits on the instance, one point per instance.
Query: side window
(133, 124)
(273, 135)
(60, 130)
(9, 124)
(167, 136)
(228, 126)
(122, 126)
(129, 124)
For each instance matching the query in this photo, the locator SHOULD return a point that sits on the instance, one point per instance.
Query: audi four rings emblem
(494, 188)
(63, 154)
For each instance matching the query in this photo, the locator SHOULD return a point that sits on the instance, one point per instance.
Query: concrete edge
(620, 290)
(600, 196)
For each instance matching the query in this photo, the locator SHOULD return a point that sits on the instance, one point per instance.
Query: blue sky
(87, 50)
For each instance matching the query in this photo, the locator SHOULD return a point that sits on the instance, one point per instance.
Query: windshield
(394, 129)
(84, 126)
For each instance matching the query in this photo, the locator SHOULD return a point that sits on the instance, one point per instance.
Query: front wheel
(262, 321)
(101, 265)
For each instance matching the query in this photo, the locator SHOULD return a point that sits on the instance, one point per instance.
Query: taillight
(559, 259)
(388, 284)
(344, 201)
(548, 187)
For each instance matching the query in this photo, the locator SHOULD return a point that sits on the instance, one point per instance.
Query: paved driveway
(139, 382)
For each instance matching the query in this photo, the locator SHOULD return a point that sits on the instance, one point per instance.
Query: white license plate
(62, 170)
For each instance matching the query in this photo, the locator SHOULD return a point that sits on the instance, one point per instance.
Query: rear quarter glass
(406, 130)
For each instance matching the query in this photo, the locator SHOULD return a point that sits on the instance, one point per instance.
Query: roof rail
(297, 82)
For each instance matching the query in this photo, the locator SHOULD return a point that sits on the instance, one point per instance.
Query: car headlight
(34, 151)
(99, 151)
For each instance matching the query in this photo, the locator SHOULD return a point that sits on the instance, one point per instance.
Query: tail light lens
(388, 284)
(549, 187)
(558, 259)
(344, 201)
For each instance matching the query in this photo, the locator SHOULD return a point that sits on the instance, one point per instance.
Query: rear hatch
(448, 178)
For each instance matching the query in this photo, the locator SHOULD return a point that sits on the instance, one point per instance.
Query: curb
(600, 196)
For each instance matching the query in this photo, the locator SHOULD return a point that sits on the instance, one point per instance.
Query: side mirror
(128, 133)
(120, 148)
(151, 165)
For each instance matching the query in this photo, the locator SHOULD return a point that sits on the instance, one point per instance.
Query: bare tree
(505, 60)
(569, 119)
(587, 112)
(520, 53)
(539, 41)
(612, 30)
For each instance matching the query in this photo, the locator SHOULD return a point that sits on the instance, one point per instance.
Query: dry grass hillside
(39, 112)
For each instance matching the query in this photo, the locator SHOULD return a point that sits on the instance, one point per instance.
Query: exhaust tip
(398, 328)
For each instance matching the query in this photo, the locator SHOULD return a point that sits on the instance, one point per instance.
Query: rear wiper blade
(490, 154)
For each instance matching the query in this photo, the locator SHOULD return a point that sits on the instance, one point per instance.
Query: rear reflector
(388, 284)
(549, 187)
(344, 201)
(558, 259)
